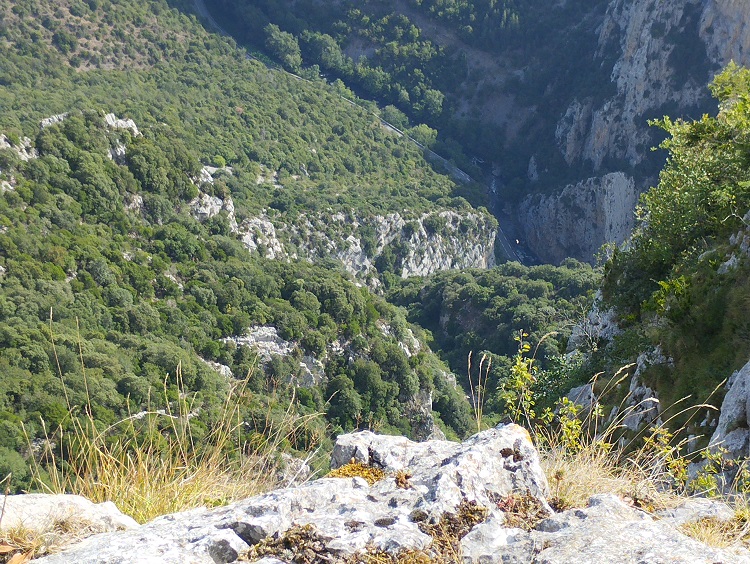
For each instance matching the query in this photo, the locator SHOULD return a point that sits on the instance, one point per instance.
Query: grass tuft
(154, 463)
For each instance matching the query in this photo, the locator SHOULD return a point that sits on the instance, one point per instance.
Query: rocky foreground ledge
(480, 501)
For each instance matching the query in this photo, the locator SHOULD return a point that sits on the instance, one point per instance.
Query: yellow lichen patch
(353, 469)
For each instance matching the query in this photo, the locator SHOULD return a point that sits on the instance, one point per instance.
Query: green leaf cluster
(668, 283)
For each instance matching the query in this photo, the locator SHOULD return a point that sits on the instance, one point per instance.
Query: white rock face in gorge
(579, 220)
(725, 29)
(647, 75)
(664, 52)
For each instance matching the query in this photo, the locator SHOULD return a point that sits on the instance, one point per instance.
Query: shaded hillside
(682, 281)
(552, 98)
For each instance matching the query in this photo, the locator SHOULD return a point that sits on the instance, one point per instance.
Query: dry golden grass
(723, 534)
(20, 544)
(150, 464)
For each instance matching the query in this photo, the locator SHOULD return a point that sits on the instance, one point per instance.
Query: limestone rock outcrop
(606, 531)
(41, 512)
(348, 513)
(733, 430)
(422, 483)
(428, 243)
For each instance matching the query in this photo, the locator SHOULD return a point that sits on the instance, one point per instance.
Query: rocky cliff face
(665, 53)
(417, 245)
(578, 220)
(421, 245)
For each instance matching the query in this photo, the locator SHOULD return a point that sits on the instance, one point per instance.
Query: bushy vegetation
(413, 55)
(482, 312)
(666, 284)
(109, 283)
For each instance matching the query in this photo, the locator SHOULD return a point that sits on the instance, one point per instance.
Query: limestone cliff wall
(665, 54)
(579, 219)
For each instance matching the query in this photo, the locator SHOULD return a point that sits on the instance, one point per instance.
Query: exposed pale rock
(642, 404)
(695, 509)
(664, 53)
(419, 412)
(599, 325)
(265, 340)
(725, 29)
(134, 202)
(42, 512)
(114, 122)
(644, 75)
(577, 221)
(451, 248)
(25, 150)
(467, 240)
(733, 430)
(222, 369)
(607, 531)
(409, 343)
(572, 129)
(52, 120)
(117, 153)
(312, 372)
(294, 471)
(730, 264)
(532, 171)
(497, 462)
(259, 234)
(348, 513)
(205, 207)
(583, 396)
(205, 176)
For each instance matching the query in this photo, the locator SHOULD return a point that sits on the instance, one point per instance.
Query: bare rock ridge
(425, 244)
(468, 484)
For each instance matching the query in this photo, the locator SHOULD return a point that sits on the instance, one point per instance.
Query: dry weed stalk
(152, 463)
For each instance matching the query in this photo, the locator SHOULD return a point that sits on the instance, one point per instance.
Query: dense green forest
(116, 296)
(103, 258)
(127, 295)
(482, 312)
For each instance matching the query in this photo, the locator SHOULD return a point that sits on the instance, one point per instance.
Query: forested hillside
(549, 98)
(111, 279)
(177, 218)
(447, 63)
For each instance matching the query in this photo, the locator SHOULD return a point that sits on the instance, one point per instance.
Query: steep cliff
(665, 53)
(578, 220)
(406, 245)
